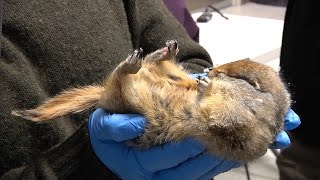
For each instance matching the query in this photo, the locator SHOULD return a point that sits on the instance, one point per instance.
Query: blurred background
(197, 4)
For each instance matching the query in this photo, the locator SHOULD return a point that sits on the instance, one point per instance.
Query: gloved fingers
(168, 155)
(282, 141)
(116, 127)
(291, 120)
(225, 166)
(193, 168)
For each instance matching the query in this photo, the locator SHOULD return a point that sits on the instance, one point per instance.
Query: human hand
(291, 121)
(182, 160)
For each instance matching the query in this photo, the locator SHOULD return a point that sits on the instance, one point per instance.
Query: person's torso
(49, 46)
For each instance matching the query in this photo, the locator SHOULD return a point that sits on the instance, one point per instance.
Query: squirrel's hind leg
(167, 53)
(132, 64)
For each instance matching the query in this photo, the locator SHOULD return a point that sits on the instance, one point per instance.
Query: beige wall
(198, 4)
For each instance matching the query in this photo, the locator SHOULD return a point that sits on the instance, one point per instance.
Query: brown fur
(236, 113)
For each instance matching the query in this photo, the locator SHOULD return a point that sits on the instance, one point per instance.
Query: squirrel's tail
(71, 101)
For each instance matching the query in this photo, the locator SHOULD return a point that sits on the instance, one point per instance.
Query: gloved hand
(183, 160)
(291, 121)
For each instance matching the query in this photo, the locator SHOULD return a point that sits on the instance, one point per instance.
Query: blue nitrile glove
(182, 160)
(291, 121)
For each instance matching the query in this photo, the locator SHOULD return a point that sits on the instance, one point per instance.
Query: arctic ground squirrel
(236, 111)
